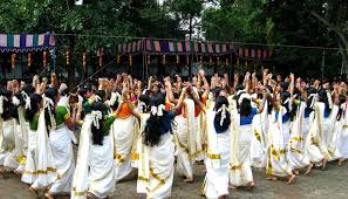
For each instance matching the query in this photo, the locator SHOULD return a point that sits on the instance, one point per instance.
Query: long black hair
(101, 94)
(9, 109)
(342, 100)
(157, 125)
(115, 104)
(146, 100)
(26, 92)
(245, 107)
(285, 101)
(97, 133)
(50, 93)
(219, 103)
(295, 106)
(35, 101)
(324, 98)
(310, 91)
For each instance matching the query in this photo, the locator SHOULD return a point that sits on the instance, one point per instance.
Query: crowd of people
(283, 125)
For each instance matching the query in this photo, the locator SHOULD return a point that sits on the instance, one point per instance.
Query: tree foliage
(272, 22)
(321, 23)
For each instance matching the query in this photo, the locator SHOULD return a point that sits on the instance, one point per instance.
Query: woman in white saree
(23, 126)
(40, 170)
(218, 152)
(316, 142)
(295, 151)
(277, 163)
(60, 124)
(186, 133)
(242, 137)
(31, 114)
(94, 175)
(343, 138)
(9, 138)
(156, 151)
(125, 133)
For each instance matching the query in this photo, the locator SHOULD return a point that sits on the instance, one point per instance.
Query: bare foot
(296, 172)
(251, 185)
(48, 195)
(142, 195)
(309, 169)
(291, 179)
(324, 164)
(2, 170)
(232, 186)
(188, 180)
(223, 197)
(340, 162)
(272, 178)
(33, 190)
(91, 196)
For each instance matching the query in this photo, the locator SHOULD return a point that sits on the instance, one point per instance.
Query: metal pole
(322, 65)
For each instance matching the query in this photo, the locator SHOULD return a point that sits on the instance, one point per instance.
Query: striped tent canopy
(26, 42)
(171, 47)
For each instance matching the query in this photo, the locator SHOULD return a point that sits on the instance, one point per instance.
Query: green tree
(135, 18)
(187, 11)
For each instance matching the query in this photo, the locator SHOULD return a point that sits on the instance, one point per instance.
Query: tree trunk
(344, 55)
(342, 40)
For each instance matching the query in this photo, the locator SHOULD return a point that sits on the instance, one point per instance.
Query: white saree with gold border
(46, 171)
(342, 144)
(277, 163)
(156, 167)
(125, 136)
(316, 147)
(186, 140)
(240, 163)
(296, 152)
(217, 160)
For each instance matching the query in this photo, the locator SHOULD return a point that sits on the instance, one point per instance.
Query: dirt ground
(331, 183)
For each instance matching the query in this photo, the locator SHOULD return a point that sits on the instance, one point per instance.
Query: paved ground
(331, 183)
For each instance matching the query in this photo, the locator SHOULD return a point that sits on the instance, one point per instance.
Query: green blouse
(62, 114)
(107, 125)
(34, 123)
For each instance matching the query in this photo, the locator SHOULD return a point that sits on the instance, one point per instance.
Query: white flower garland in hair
(115, 97)
(1, 104)
(27, 100)
(222, 109)
(98, 98)
(242, 97)
(48, 102)
(329, 99)
(15, 101)
(287, 101)
(141, 106)
(240, 92)
(144, 91)
(314, 96)
(2, 99)
(96, 116)
(157, 110)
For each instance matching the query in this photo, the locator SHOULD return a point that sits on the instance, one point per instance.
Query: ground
(331, 183)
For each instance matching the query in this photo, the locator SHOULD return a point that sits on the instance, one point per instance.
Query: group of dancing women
(286, 126)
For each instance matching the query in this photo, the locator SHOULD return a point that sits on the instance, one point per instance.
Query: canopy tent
(171, 47)
(20, 43)
(214, 53)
